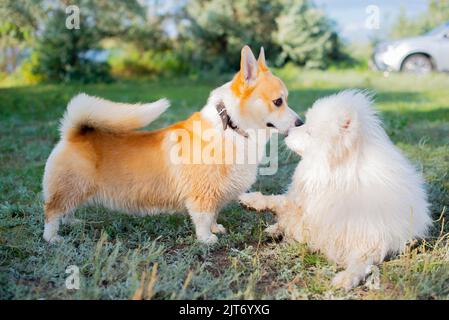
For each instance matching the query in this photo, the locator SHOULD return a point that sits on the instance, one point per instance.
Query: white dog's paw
(218, 228)
(345, 280)
(208, 239)
(273, 230)
(253, 200)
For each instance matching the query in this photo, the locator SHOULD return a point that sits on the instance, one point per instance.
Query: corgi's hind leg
(69, 219)
(51, 229)
(60, 204)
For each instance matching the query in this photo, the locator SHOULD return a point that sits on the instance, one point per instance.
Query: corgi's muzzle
(298, 122)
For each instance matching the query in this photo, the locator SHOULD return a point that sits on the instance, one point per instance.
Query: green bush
(129, 61)
(436, 14)
(60, 53)
(290, 30)
(26, 70)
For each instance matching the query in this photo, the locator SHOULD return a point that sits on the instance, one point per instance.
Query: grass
(115, 251)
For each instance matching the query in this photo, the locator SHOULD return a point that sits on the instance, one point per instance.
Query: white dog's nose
(298, 122)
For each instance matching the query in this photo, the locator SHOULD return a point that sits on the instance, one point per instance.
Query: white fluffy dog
(354, 196)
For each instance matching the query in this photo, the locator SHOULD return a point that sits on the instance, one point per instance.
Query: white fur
(357, 197)
(244, 146)
(203, 222)
(108, 115)
(51, 231)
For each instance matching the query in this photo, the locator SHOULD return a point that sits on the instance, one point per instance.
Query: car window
(439, 30)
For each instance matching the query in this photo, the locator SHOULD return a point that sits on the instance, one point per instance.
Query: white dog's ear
(348, 129)
(346, 123)
(248, 65)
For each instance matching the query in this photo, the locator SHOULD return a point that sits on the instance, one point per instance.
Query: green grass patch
(113, 250)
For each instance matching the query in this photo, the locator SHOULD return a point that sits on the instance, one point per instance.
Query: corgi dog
(354, 196)
(101, 158)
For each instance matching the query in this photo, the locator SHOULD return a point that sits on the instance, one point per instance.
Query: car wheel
(417, 63)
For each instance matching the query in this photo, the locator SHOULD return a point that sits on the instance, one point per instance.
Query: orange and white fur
(102, 158)
(353, 196)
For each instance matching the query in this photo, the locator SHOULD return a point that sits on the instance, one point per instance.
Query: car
(422, 54)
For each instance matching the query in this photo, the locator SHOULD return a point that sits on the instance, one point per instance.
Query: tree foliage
(437, 13)
(305, 35)
(214, 31)
(62, 54)
(209, 34)
(18, 23)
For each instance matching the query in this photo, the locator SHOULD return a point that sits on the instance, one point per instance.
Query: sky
(351, 16)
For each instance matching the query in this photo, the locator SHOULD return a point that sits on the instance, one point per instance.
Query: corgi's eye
(278, 102)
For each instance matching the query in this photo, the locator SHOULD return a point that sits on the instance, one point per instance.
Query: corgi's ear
(261, 60)
(248, 65)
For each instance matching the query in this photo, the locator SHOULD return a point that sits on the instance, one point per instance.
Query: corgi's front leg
(203, 222)
(218, 228)
(274, 230)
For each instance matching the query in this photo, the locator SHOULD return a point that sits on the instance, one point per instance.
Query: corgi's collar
(226, 119)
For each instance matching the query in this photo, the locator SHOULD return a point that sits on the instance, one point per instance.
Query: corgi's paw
(51, 231)
(208, 239)
(345, 280)
(218, 228)
(253, 201)
(273, 230)
(54, 239)
(71, 221)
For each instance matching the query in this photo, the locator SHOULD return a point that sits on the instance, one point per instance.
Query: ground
(121, 256)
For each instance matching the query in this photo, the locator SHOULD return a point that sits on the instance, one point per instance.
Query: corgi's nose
(298, 122)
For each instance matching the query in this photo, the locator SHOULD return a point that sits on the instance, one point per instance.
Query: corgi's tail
(85, 113)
